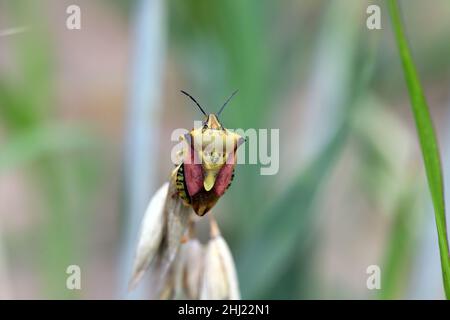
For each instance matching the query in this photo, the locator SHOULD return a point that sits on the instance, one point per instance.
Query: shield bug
(207, 161)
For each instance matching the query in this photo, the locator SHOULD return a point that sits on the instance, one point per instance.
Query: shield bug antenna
(192, 98)
(226, 102)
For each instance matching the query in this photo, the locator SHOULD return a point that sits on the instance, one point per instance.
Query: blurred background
(86, 118)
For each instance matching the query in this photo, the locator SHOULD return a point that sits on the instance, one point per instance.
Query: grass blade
(427, 138)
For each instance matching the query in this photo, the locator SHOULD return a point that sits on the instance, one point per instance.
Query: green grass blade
(427, 138)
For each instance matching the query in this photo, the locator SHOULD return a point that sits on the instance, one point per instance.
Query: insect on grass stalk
(167, 245)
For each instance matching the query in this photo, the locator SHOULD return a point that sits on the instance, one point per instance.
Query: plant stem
(427, 138)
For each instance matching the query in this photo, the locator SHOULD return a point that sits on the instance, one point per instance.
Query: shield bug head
(208, 161)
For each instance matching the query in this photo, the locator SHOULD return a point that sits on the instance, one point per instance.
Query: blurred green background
(86, 117)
